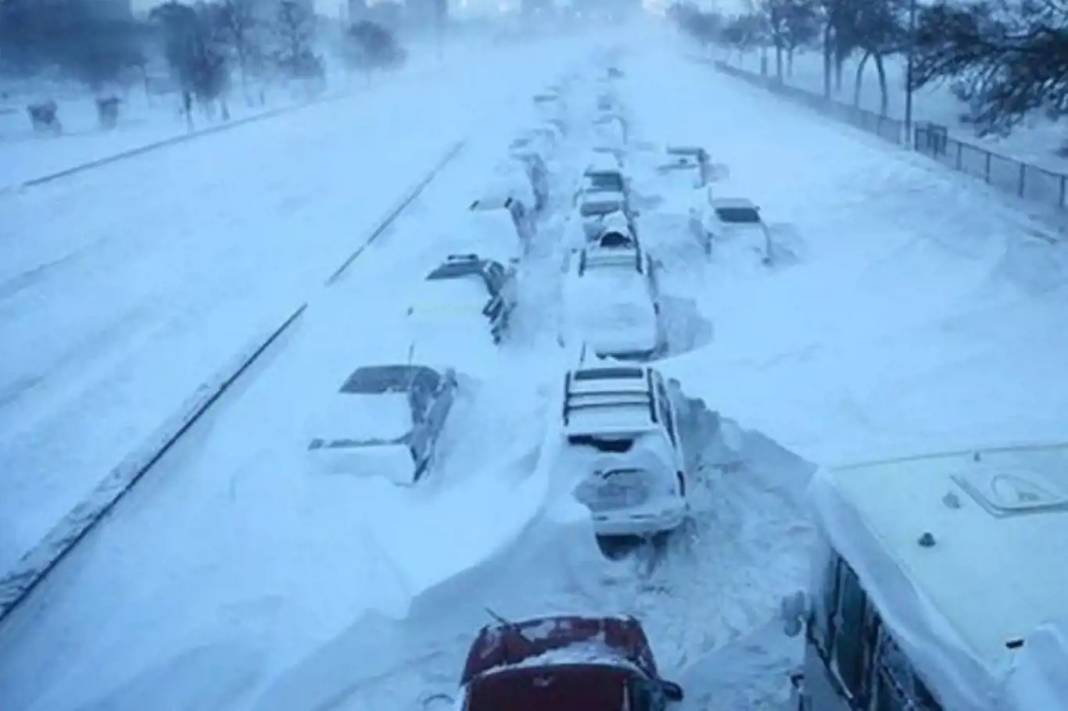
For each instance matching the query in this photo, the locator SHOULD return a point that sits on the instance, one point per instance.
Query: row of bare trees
(207, 45)
(1005, 58)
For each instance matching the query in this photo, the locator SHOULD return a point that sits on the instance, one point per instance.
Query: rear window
(602, 444)
(607, 373)
(739, 215)
(606, 181)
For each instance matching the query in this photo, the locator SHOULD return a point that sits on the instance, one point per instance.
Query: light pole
(908, 73)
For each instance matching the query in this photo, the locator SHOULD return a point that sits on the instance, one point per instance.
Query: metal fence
(1022, 179)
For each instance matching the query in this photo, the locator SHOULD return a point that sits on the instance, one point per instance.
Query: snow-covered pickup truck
(623, 446)
(612, 302)
(565, 663)
(467, 288)
(735, 224)
(386, 422)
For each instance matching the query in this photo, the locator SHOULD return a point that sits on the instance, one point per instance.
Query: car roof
(609, 398)
(997, 565)
(603, 162)
(692, 151)
(508, 644)
(615, 257)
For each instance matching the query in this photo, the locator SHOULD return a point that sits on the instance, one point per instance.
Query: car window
(665, 413)
(850, 632)
(897, 686)
(738, 215)
(642, 695)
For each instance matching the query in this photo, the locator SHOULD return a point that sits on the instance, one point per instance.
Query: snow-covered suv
(735, 224)
(624, 448)
(564, 663)
(386, 422)
(496, 221)
(613, 302)
(464, 283)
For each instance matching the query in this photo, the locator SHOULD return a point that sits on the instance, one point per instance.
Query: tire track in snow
(38, 562)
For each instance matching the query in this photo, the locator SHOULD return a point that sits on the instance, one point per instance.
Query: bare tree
(1005, 59)
(239, 25)
(295, 30)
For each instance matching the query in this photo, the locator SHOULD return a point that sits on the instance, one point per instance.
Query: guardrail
(1025, 180)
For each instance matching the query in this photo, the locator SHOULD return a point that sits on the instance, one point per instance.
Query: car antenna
(498, 618)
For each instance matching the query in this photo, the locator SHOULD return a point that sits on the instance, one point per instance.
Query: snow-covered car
(612, 302)
(386, 422)
(465, 286)
(688, 165)
(611, 129)
(603, 188)
(735, 224)
(565, 663)
(549, 104)
(537, 173)
(512, 177)
(624, 451)
(500, 222)
(938, 582)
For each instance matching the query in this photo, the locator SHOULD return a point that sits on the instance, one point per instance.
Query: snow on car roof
(366, 417)
(509, 644)
(994, 569)
(603, 162)
(614, 399)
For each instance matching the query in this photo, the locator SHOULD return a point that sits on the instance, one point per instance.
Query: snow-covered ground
(123, 289)
(1036, 140)
(921, 313)
(145, 119)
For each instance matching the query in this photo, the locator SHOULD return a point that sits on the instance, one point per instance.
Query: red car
(564, 664)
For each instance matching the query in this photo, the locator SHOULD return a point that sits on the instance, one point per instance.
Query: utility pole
(908, 73)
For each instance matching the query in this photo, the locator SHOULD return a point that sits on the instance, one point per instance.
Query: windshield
(605, 181)
(738, 215)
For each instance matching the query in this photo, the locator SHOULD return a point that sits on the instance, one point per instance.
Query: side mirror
(795, 611)
(672, 691)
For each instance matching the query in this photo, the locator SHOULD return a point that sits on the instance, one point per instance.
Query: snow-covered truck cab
(735, 224)
(941, 582)
(624, 451)
(497, 219)
(564, 663)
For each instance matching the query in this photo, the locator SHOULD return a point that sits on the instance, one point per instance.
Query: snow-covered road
(919, 316)
(123, 289)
